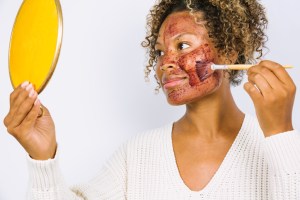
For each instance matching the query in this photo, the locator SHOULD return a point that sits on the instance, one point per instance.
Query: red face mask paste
(197, 64)
(202, 70)
(188, 67)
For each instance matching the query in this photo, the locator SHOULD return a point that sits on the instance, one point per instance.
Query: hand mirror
(35, 43)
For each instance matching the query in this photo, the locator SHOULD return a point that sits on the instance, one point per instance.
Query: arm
(46, 181)
(37, 136)
(273, 91)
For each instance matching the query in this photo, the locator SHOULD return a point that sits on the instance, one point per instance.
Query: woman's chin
(178, 101)
(175, 103)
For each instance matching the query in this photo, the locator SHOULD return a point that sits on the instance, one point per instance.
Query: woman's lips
(173, 82)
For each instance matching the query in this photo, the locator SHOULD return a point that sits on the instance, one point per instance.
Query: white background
(97, 95)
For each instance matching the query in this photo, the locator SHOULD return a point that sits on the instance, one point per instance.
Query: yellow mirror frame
(35, 43)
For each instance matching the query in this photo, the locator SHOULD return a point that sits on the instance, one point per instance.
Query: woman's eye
(182, 46)
(159, 53)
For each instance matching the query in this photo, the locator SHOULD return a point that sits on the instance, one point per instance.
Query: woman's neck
(211, 117)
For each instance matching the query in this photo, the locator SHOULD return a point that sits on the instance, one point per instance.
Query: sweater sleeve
(46, 181)
(283, 155)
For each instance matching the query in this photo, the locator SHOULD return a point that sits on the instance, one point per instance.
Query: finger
(278, 70)
(269, 76)
(24, 109)
(16, 92)
(18, 98)
(261, 83)
(32, 116)
(253, 92)
(21, 95)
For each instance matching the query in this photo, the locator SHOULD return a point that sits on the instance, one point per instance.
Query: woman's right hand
(35, 133)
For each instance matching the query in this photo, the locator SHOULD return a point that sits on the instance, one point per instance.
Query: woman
(214, 151)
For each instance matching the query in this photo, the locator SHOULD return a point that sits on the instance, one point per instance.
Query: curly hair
(233, 25)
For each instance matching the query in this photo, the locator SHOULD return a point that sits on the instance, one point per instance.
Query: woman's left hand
(272, 91)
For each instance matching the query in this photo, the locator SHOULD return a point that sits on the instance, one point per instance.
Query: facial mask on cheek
(197, 64)
(203, 70)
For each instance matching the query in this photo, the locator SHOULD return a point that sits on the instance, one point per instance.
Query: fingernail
(31, 93)
(36, 101)
(29, 87)
(24, 84)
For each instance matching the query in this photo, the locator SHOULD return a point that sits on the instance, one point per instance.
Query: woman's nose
(167, 66)
(169, 61)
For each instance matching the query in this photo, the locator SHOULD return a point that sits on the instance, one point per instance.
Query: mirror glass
(35, 43)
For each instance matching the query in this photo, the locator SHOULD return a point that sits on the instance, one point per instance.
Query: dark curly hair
(233, 25)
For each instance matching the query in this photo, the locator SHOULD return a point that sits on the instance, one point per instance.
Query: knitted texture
(144, 168)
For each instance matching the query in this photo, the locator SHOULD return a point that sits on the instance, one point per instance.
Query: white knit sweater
(145, 169)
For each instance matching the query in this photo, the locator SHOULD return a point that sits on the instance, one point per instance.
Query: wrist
(274, 131)
(44, 155)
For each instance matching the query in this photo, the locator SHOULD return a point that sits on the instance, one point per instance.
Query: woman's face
(185, 54)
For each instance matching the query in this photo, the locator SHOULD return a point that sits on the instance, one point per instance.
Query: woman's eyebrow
(177, 37)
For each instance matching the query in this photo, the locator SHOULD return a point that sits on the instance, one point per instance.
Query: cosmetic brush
(238, 67)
